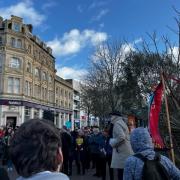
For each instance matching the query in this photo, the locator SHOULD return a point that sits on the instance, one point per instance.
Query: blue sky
(73, 28)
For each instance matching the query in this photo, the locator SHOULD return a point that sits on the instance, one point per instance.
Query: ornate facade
(28, 77)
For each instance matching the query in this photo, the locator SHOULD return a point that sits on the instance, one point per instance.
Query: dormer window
(16, 27)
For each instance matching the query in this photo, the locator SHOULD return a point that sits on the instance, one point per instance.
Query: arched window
(44, 76)
(37, 72)
(15, 63)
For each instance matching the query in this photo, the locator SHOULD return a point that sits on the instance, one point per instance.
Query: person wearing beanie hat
(120, 143)
(141, 143)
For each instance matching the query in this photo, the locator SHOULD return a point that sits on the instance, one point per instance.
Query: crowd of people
(39, 150)
(88, 148)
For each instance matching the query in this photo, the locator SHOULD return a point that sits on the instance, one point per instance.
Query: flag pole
(168, 119)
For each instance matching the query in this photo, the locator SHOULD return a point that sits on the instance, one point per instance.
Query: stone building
(79, 118)
(63, 102)
(27, 75)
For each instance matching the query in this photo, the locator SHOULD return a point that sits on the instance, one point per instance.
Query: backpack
(153, 169)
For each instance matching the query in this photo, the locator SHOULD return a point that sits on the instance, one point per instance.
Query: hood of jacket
(141, 140)
(115, 119)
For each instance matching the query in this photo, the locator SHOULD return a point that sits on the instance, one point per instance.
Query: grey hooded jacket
(46, 175)
(141, 143)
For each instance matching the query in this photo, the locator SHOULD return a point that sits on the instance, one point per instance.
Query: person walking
(120, 143)
(142, 145)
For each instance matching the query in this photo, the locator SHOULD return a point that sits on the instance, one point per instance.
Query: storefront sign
(8, 102)
(11, 102)
(17, 103)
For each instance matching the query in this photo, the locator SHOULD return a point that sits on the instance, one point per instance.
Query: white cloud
(80, 8)
(73, 41)
(137, 41)
(102, 13)
(25, 10)
(96, 4)
(71, 73)
(48, 5)
(101, 25)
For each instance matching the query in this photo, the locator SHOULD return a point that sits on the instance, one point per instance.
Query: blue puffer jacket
(96, 142)
(141, 143)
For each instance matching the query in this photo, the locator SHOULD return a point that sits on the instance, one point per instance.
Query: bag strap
(141, 157)
(157, 157)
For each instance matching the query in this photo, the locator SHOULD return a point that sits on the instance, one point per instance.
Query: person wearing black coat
(3, 174)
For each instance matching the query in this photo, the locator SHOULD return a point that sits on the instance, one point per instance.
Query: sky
(74, 28)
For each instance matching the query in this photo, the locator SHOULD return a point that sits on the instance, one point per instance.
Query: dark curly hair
(34, 147)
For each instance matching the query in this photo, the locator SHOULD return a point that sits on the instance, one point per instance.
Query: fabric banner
(154, 110)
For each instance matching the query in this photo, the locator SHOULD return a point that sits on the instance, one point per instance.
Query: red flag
(155, 108)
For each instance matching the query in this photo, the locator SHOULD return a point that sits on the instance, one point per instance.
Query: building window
(37, 72)
(44, 93)
(19, 43)
(16, 27)
(62, 104)
(1, 60)
(62, 92)
(27, 113)
(1, 41)
(13, 42)
(50, 78)
(44, 76)
(50, 96)
(13, 85)
(37, 91)
(28, 88)
(28, 67)
(57, 91)
(15, 63)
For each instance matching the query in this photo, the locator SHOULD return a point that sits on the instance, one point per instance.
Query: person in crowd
(36, 152)
(141, 142)
(8, 136)
(72, 155)
(79, 153)
(96, 144)
(120, 143)
(3, 174)
(87, 153)
(108, 157)
(66, 148)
